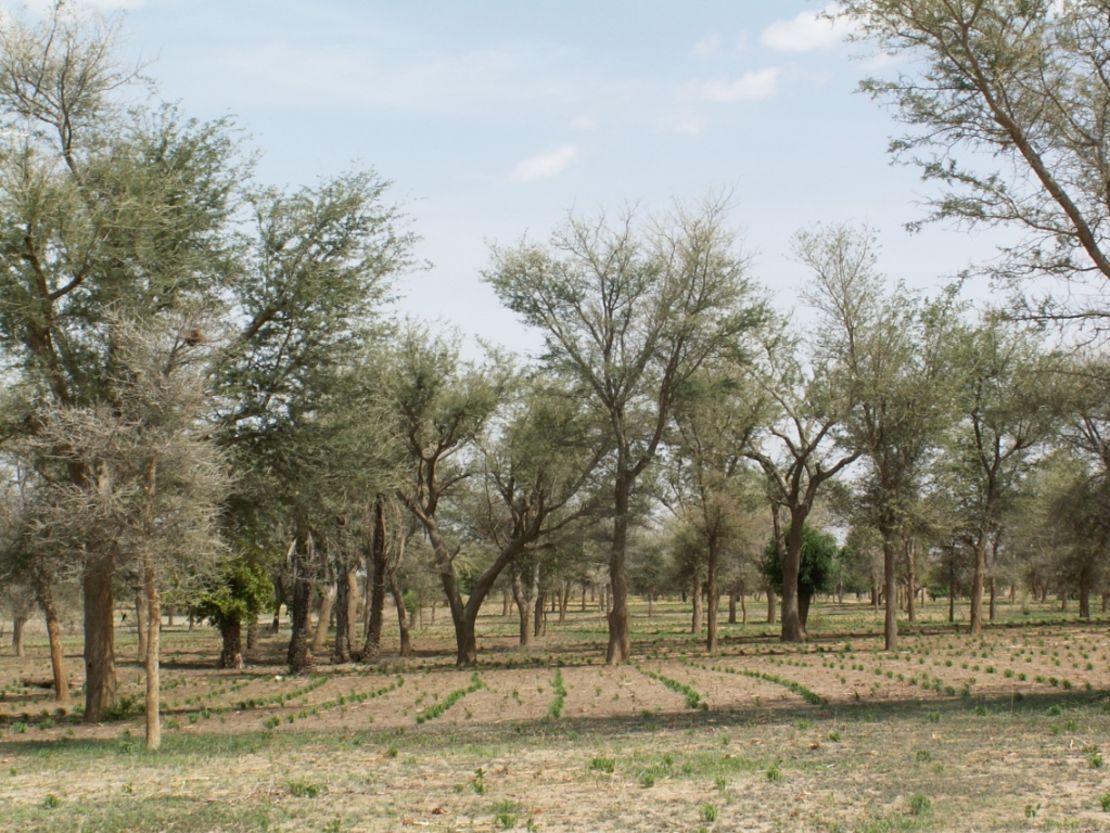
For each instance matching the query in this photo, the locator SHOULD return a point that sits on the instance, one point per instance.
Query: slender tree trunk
(890, 623)
(299, 655)
(342, 651)
(993, 608)
(376, 571)
(141, 621)
(279, 600)
(42, 582)
(564, 600)
(732, 608)
(169, 616)
(977, 582)
(697, 614)
(1105, 601)
(403, 629)
(231, 652)
(583, 608)
(1085, 594)
(620, 640)
(911, 589)
(952, 601)
(100, 655)
(153, 648)
(770, 606)
(523, 608)
(743, 609)
(505, 601)
(538, 592)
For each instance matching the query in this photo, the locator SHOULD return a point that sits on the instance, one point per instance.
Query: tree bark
(911, 578)
(992, 608)
(376, 570)
(402, 617)
(42, 582)
(153, 669)
(620, 640)
(323, 623)
(890, 623)
(770, 606)
(792, 628)
(564, 600)
(19, 621)
(252, 636)
(696, 614)
(343, 594)
(732, 608)
(952, 602)
(299, 655)
(523, 608)
(977, 583)
(231, 651)
(140, 621)
(804, 599)
(100, 656)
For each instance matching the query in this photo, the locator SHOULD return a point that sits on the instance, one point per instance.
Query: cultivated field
(1006, 732)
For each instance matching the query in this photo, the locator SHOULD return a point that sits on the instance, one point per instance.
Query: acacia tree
(101, 208)
(159, 477)
(714, 423)
(1008, 115)
(892, 356)
(630, 315)
(1008, 400)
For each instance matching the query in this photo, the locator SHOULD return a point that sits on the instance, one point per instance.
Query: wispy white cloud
(808, 31)
(707, 46)
(543, 165)
(751, 86)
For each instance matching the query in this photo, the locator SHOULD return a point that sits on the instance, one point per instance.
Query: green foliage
(819, 557)
(243, 590)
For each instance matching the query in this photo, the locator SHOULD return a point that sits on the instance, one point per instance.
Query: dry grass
(1006, 732)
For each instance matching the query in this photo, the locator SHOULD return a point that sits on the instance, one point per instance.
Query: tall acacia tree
(101, 208)
(630, 315)
(1008, 113)
(892, 355)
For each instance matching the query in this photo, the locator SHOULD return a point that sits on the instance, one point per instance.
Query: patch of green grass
(556, 709)
(437, 709)
(301, 788)
(602, 764)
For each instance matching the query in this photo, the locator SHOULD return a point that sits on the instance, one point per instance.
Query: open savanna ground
(1004, 732)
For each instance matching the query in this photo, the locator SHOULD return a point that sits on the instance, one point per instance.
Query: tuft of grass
(504, 814)
(602, 764)
(774, 773)
(560, 689)
(300, 788)
(920, 805)
(437, 709)
(709, 813)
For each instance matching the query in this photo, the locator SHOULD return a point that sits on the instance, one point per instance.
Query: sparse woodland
(210, 411)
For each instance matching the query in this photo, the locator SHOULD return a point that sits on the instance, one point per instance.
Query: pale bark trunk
(323, 623)
(141, 621)
(620, 640)
(770, 606)
(19, 621)
(403, 630)
(696, 614)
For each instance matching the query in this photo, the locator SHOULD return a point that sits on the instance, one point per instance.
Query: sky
(495, 118)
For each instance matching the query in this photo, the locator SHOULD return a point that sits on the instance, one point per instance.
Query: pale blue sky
(493, 119)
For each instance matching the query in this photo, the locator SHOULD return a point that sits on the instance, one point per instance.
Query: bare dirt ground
(1007, 732)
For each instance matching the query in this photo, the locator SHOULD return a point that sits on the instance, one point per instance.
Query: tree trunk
(141, 621)
(620, 640)
(100, 656)
(343, 593)
(911, 588)
(890, 578)
(696, 599)
(323, 623)
(1105, 601)
(279, 600)
(1085, 594)
(713, 599)
(402, 619)
(42, 581)
(19, 621)
(252, 636)
(583, 608)
(153, 647)
(231, 652)
(564, 600)
(792, 628)
(743, 609)
(376, 571)
(770, 606)
(992, 608)
(538, 593)
(952, 602)
(732, 608)
(977, 583)
(505, 601)
(299, 655)
(523, 608)
(804, 598)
